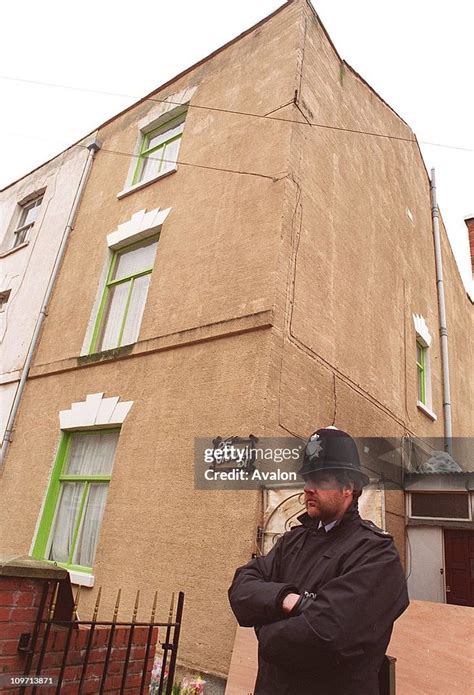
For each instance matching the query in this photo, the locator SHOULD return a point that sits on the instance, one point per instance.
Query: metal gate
(78, 655)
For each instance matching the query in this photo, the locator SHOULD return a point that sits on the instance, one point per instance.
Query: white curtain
(165, 134)
(63, 531)
(113, 318)
(136, 260)
(135, 309)
(88, 535)
(151, 164)
(91, 453)
(171, 155)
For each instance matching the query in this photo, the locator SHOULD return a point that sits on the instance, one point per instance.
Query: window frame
(440, 518)
(145, 151)
(110, 283)
(21, 231)
(43, 538)
(421, 371)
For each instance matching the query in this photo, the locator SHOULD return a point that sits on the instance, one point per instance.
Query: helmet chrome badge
(314, 446)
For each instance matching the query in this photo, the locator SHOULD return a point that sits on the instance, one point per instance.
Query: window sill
(424, 409)
(141, 184)
(76, 577)
(105, 354)
(81, 578)
(445, 523)
(13, 249)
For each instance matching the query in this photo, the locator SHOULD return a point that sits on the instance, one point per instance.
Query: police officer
(324, 599)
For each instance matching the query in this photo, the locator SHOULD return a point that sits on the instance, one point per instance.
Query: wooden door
(459, 558)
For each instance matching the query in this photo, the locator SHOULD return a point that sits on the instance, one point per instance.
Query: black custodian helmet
(330, 450)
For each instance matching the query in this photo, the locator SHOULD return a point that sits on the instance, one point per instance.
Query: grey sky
(416, 54)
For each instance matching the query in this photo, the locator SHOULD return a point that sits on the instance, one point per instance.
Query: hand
(289, 602)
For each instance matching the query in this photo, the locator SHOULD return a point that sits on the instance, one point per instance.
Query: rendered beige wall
(355, 268)
(200, 366)
(358, 276)
(218, 250)
(275, 307)
(158, 532)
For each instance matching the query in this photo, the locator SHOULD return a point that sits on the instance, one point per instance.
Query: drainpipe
(93, 147)
(443, 329)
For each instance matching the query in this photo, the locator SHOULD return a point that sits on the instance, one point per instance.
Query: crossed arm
(256, 598)
(351, 610)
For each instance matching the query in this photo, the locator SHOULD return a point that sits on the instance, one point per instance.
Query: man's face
(324, 498)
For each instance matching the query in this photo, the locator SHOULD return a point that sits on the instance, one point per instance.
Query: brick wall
(19, 604)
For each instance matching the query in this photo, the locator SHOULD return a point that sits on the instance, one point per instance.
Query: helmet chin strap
(354, 506)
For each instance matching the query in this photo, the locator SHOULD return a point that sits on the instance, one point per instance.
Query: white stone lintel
(141, 225)
(422, 330)
(95, 411)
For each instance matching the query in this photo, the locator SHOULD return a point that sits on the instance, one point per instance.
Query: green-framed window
(421, 370)
(75, 501)
(159, 149)
(124, 296)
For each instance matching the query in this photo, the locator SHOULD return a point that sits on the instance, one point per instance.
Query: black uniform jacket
(337, 644)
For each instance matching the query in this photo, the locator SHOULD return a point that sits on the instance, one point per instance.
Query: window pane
(421, 384)
(88, 535)
(113, 316)
(66, 515)
(91, 454)
(135, 309)
(420, 366)
(136, 260)
(421, 388)
(440, 505)
(163, 135)
(151, 165)
(30, 213)
(20, 236)
(171, 155)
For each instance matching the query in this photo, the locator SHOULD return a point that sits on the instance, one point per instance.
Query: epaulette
(295, 527)
(375, 529)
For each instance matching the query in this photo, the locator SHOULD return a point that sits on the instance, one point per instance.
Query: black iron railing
(85, 642)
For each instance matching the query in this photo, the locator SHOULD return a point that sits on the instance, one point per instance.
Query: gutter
(93, 148)
(443, 329)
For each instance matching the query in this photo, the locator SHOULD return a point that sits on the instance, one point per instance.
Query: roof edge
(92, 133)
(326, 33)
(354, 72)
(199, 62)
(158, 89)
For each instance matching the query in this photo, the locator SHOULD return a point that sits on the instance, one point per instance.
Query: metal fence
(88, 648)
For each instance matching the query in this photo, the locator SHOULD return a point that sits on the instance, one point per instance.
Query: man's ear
(348, 489)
